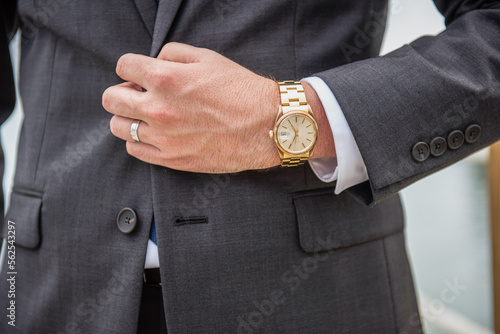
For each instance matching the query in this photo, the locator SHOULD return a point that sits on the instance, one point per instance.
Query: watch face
(296, 133)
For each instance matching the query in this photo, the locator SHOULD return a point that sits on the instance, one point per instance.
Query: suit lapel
(147, 9)
(167, 10)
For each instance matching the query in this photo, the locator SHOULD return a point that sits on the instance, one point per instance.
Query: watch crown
(271, 134)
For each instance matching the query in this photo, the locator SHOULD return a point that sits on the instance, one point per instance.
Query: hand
(200, 111)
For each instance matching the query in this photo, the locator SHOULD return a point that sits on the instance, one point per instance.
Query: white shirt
(348, 168)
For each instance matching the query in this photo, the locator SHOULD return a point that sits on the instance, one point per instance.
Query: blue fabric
(152, 235)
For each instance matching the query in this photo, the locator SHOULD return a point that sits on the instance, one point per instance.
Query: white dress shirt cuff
(348, 169)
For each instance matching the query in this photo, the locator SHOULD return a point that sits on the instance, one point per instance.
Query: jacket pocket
(24, 215)
(327, 221)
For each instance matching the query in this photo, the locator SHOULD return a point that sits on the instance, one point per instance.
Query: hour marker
(304, 146)
(295, 119)
(303, 119)
(310, 133)
(308, 125)
(284, 141)
(284, 127)
(308, 139)
(290, 145)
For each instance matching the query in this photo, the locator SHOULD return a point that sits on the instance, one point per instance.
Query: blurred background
(448, 232)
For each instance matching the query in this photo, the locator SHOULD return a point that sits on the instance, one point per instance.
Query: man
(242, 246)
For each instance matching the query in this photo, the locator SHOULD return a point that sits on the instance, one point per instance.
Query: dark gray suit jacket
(254, 252)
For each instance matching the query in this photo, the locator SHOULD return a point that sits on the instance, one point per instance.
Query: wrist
(325, 145)
(295, 131)
(272, 94)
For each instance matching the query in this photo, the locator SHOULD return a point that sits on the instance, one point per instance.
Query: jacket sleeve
(425, 90)
(7, 89)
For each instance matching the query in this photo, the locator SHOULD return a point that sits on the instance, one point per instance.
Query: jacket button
(472, 133)
(126, 220)
(420, 151)
(438, 146)
(455, 139)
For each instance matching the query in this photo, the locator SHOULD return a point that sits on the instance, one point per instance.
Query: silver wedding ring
(134, 129)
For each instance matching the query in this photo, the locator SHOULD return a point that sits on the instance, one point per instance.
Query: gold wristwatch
(295, 131)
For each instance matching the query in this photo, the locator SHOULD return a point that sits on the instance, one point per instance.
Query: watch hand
(295, 141)
(292, 127)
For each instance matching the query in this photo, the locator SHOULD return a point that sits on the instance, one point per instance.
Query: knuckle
(143, 109)
(159, 77)
(158, 112)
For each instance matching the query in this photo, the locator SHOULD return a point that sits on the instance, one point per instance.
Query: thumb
(182, 53)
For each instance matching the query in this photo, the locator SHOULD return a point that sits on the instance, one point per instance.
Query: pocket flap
(327, 221)
(24, 213)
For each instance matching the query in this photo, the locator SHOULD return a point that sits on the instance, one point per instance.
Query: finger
(182, 53)
(145, 152)
(121, 128)
(126, 99)
(139, 69)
